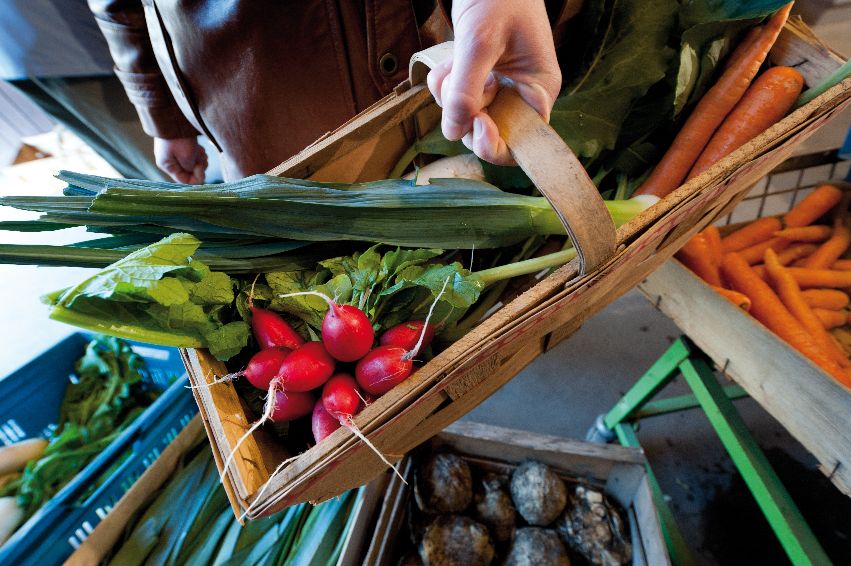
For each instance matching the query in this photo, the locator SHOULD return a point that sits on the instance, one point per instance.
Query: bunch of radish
(301, 378)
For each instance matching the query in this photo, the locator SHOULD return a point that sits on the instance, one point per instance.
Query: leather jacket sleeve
(122, 23)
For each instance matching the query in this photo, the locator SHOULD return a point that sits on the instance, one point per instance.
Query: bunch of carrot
(788, 273)
(732, 112)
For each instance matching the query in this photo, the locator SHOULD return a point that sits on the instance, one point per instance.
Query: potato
(533, 546)
(443, 484)
(538, 493)
(493, 506)
(594, 528)
(455, 540)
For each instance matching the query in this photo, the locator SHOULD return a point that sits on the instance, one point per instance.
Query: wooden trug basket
(473, 368)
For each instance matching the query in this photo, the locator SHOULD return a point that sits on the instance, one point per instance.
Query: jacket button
(388, 64)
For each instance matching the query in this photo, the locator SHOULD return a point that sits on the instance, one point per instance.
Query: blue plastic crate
(29, 403)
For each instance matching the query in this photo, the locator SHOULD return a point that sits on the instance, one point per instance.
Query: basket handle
(548, 162)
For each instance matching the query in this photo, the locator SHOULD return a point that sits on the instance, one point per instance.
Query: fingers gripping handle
(548, 162)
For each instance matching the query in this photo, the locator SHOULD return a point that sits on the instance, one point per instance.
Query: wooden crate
(99, 543)
(473, 368)
(808, 402)
(618, 470)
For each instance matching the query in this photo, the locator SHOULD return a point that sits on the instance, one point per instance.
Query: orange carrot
(831, 299)
(806, 233)
(735, 58)
(757, 231)
(814, 206)
(842, 265)
(831, 250)
(715, 105)
(767, 308)
(755, 253)
(831, 319)
(713, 243)
(795, 252)
(832, 279)
(739, 299)
(765, 103)
(696, 256)
(760, 271)
(789, 292)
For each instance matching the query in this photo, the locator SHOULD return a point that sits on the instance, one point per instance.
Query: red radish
(383, 368)
(387, 366)
(264, 366)
(341, 397)
(271, 330)
(291, 405)
(346, 331)
(407, 334)
(341, 400)
(322, 422)
(306, 368)
(260, 370)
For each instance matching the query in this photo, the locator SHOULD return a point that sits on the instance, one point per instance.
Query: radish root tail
(419, 343)
(348, 422)
(266, 486)
(223, 379)
(268, 409)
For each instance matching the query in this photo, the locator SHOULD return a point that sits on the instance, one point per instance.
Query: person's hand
(182, 158)
(496, 41)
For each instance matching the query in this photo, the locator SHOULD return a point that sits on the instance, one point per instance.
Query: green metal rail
(683, 358)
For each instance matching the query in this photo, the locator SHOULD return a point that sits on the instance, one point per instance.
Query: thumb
(536, 96)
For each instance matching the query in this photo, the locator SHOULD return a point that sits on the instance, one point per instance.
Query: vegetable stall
(343, 309)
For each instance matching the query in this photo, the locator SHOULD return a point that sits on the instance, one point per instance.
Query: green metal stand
(683, 358)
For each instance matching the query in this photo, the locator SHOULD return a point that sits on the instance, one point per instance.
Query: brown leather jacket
(262, 80)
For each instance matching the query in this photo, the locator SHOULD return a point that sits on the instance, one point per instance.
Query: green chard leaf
(159, 294)
(631, 55)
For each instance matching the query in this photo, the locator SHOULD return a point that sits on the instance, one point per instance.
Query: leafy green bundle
(108, 395)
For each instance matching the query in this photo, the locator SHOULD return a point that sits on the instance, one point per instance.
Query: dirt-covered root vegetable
(539, 495)
(493, 506)
(444, 484)
(594, 528)
(455, 540)
(533, 546)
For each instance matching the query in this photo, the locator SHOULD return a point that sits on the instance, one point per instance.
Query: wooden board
(811, 405)
(99, 543)
(619, 470)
